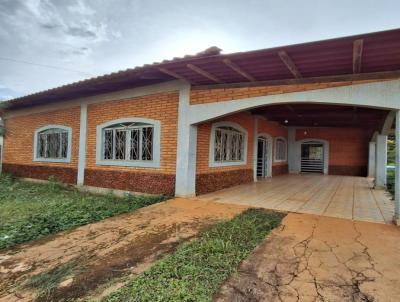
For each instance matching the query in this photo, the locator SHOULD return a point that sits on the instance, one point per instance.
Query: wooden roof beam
(239, 70)
(289, 64)
(175, 75)
(358, 46)
(204, 73)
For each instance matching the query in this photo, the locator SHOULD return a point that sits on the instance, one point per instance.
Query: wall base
(211, 182)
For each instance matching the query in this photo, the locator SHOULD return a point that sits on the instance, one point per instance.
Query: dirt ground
(104, 251)
(316, 258)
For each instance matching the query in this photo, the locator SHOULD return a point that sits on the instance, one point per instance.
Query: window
(129, 142)
(228, 145)
(52, 143)
(280, 149)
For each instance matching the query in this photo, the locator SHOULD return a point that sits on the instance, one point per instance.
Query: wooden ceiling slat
(175, 75)
(289, 64)
(204, 73)
(358, 46)
(239, 70)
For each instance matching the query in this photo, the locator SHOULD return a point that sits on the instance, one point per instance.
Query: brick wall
(19, 140)
(210, 179)
(348, 148)
(204, 96)
(162, 107)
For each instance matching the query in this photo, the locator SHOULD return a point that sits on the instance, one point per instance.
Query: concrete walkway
(335, 196)
(317, 258)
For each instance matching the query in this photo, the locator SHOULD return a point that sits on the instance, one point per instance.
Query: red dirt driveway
(317, 258)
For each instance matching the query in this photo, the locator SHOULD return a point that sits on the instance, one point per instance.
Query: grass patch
(198, 268)
(31, 211)
(46, 283)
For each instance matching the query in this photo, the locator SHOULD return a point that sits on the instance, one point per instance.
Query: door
(312, 157)
(262, 157)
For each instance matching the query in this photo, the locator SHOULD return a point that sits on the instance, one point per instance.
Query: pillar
(397, 173)
(292, 151)
(82, 146)
(185, 183)
(381, 161)
(371, 159)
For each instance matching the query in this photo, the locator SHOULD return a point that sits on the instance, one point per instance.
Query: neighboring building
(202, 123)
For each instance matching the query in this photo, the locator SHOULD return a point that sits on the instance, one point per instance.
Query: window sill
(124, 163)
(226, 164)
(280, 160)
(52, 160)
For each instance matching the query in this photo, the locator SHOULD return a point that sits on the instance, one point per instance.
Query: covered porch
(348, 197)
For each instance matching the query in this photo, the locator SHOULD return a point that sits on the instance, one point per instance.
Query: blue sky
(48, 43)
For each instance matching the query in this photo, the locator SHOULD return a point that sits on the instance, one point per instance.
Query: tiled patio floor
(335, 196)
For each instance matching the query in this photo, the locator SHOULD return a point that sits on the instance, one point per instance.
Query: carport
(348, 197)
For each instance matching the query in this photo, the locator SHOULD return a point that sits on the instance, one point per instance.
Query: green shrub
(198, 268)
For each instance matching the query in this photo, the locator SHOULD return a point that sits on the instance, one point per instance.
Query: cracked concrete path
(317, 258)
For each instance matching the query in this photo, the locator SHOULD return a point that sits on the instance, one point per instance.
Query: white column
(185, 183)
(292, 150)
(255, 148)
(371, 159)
(381, 161)
(82, 145)
(397, 175)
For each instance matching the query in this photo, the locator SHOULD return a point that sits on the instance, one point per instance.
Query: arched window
(280, 149)
(228, 144)
(129, 142)
(52, 143)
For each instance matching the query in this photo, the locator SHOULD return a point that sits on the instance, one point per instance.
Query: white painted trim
(269, 140)
(106, 97)
(298, 153)
(52, 160)
(155, 163)
(185, 183)
(213, 163)
(384, 95)
(286, 151)
(82, 145)
(387, 125)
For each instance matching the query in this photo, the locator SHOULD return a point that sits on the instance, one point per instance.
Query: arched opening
(264, 156)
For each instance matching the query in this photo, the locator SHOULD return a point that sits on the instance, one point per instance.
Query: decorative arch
(136, 123)
(285, 149)
(269, 140)
(237, 127)
(297, 154)
(55, 128)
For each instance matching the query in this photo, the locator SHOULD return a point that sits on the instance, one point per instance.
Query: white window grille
(128, 142)
(228, 145)
(280, 149)
(131, 142)
(52, 143)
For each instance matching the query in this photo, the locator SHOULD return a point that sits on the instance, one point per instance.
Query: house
(201, 123)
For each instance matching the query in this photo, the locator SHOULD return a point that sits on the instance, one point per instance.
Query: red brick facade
(348, 147)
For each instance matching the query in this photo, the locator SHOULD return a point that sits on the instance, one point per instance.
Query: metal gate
(262, 157)
(312, 157)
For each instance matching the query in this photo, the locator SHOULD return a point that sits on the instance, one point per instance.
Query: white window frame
(275, 149)
(52, 160)
(212, 162)
(154, 163)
